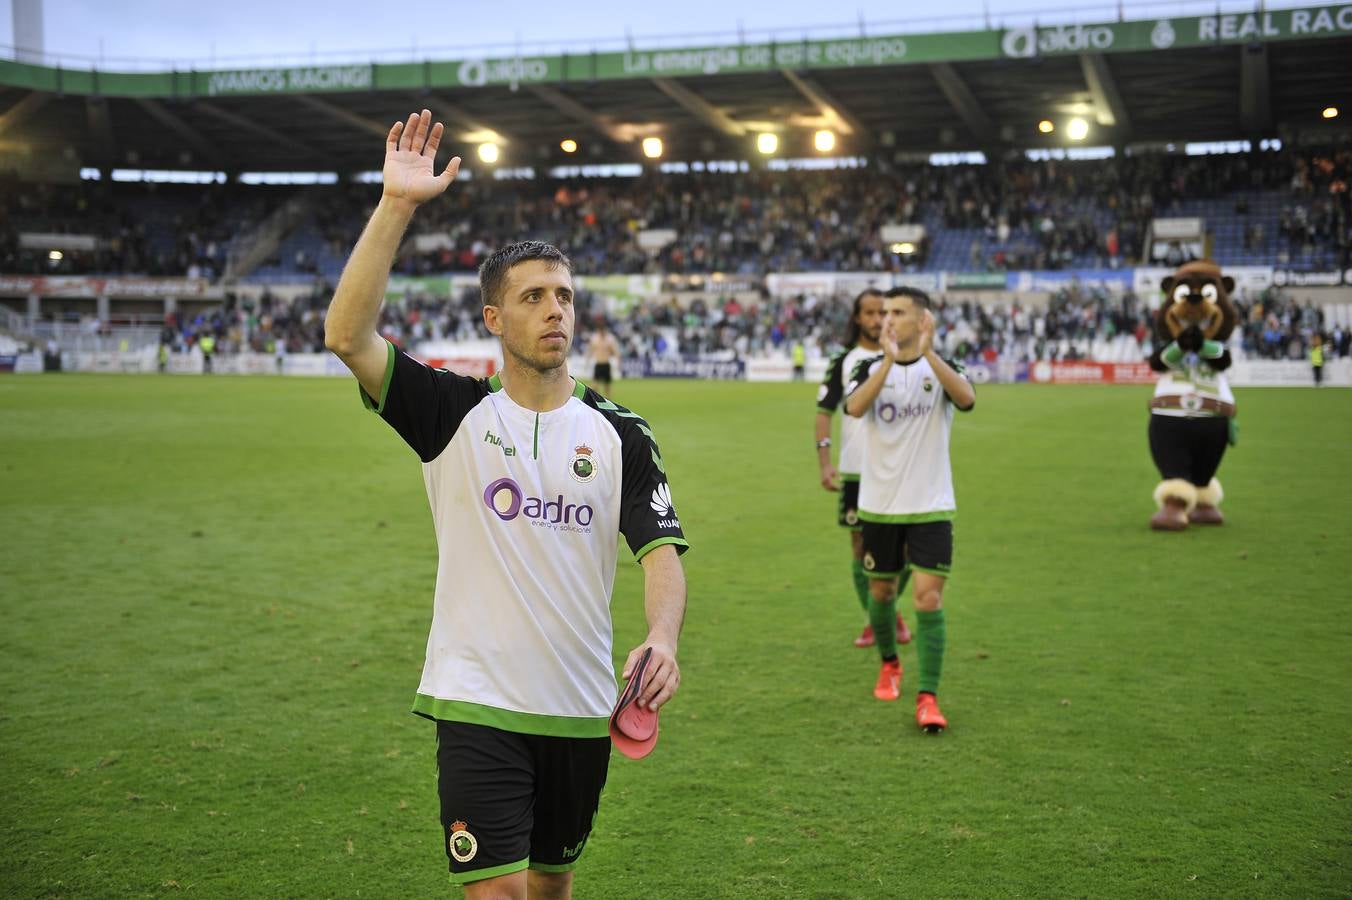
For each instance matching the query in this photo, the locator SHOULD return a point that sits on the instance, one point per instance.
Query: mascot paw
(1207, 511)
(1206, 514)
(1191, 339)
(1176, 498)
(1172, 516)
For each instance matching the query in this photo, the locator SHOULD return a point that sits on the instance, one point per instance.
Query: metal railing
(77, 337)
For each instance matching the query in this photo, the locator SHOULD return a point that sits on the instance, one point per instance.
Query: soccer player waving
(531, 476)
(906, 398)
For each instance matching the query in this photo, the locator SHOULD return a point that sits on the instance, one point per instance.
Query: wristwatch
(824, 442)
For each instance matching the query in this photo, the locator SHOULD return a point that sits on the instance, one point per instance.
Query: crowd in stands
(1028, 215)
(1018, 213)
(1274, 325)
(140, 229)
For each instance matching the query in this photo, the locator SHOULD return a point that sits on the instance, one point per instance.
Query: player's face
(902, 319)
(535, 318)
(870, 317)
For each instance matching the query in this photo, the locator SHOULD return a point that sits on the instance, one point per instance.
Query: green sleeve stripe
(579, 389)
(492, 872)
(494, 383)
(938, 515)
(511, 720)
(378, 408)
(652, 545)
(829, 410)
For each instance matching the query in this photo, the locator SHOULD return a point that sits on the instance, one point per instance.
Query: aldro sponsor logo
(507, 501)
(1027, 42)
(889, 412)
(661, 504)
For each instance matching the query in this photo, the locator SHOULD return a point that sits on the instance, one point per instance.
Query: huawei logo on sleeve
(661, 504)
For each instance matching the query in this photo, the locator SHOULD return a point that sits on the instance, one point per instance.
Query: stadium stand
(1040, 245)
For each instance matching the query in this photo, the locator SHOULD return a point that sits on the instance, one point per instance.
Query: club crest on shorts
(462, 844)
(851, 517)
(582, 467)
(869, 562)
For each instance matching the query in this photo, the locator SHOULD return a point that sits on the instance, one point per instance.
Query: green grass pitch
(215, 595)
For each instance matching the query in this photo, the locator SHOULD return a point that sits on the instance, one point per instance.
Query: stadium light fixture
(903, 248)
(1077, 129)
(488, 152)
(1330, 112)
(767, 143)
(1046, 126)
(56, 256)
(568, 145)
(652, 147)
(824, 140)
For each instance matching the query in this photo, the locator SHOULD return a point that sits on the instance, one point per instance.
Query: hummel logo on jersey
(491, 438)
(661, 504)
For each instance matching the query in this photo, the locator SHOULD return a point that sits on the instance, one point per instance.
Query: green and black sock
(930, 638)
(883, 617)
(860, 584)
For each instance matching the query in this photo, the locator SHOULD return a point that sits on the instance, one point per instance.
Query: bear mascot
(1192, 414)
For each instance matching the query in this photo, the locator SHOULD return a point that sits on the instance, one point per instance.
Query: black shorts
(514, 801)
(601, 372)
(848, 514)
(891, 547)
(1188, 448)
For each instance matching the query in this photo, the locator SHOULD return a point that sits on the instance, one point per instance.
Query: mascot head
(1197, 295)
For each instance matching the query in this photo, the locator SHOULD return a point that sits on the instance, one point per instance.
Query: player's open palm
(888, 339)
(926, 332)
(410, 154)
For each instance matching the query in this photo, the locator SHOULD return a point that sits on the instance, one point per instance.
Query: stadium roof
(1258, 75)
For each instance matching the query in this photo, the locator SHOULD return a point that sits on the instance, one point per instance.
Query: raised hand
(889, 341)
(926, 332)
(410, 151)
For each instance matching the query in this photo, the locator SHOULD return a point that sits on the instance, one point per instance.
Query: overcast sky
(131, 34)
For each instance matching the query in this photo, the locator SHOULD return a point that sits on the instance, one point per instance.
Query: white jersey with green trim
(906, 475)
(1193, 378)
(829, 397)
(527, 507)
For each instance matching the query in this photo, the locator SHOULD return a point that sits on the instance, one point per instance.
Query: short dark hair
(493, 271)
(918, 297)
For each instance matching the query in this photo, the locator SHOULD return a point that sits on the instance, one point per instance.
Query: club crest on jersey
(582, 466)
(461, 843)
(928, 384)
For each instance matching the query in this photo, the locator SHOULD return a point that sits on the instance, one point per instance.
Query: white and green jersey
(906, 474)
(1192, 379)
(527, 507)
(829, 397)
